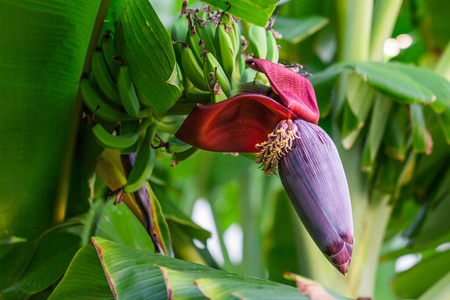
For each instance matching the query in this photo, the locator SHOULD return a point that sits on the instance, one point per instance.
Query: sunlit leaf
(130, 274)
(117, 223)
(394, 79)
(256, 12)
(134, 272)
(296, 30)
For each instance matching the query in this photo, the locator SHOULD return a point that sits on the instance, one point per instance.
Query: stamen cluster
(278, 144)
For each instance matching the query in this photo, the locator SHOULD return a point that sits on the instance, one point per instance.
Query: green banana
(210, 66)
(224, 45)
(237, 36)
(178, 33)
(258, 41)
(108, 140)
(177, 157)
(192, 69)
(177, 146)
(127, 92)
(109, 52)
(169, 128)
(125, 128)
(103, 77)
(248, 75)
(95, 102)
(228, 24)
(272, 47)
(143, 165)
(193, 41)
(202, 31)
(242, 64)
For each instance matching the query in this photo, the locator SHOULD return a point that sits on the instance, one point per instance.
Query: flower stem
(355, 19)
(384, 18)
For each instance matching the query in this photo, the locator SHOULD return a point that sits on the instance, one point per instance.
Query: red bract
(286, 136)
(295, 91)
(234, 125)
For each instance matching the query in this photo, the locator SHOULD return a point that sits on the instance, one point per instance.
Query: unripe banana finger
(210, 66)
(109, 52)
(107, 140)
(178, 33)
(127, 92)
(177, 146)
(95, 102)
(225, 50)
(205, 37)
(103, 77)
(193, 41)
(258, 41)
(272, 47)
(192, 69)
(143, 165)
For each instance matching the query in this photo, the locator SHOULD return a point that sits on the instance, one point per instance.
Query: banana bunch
(208, 50)
(111, 96)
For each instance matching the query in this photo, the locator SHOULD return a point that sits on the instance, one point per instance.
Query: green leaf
(118, 223)
(394, 139)
(180, 285)
(444, 121)
(256, 12)
(147, 49)
(295, 30)
(227, 287)
(49, 261)
(350, 126)
(394, 79)
(160, 225)
(39, 82)
(418, 129)
(328, 77)
(440, 290)
(434, 82)
(415, 281)
(134, 272)
(380, 117)
(360, 97)
(84, 278)
(128, 271)
(9, 243)
(435, 227)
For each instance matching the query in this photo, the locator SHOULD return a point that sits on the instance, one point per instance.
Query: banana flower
(285, 135)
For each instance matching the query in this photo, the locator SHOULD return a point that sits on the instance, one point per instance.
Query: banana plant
(103, 170)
